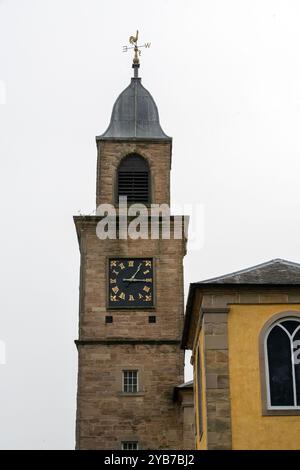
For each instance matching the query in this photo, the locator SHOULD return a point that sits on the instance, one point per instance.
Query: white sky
(226, 78)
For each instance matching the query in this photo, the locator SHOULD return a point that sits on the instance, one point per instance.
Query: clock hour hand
(135, 280)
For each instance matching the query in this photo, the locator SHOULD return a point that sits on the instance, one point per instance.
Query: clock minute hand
(135, 280)
(133, 276)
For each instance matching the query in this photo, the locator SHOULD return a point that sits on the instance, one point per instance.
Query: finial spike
(136, 70)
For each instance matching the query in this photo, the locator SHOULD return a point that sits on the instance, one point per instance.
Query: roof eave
(188, 314)
(209, 286)
(133, 139)
(237, 285)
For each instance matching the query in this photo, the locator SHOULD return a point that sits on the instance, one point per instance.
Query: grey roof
(134, 115)
(276, 271)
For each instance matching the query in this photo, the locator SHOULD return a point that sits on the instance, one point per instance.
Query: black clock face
(130, 282)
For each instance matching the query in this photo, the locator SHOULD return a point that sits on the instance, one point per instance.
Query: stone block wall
(217, 380)
(168, 269)
(106, 416)
(110, 154)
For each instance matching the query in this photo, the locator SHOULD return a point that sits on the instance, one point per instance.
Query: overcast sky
(226, 78)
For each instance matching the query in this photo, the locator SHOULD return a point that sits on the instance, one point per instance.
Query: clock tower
(131, 292)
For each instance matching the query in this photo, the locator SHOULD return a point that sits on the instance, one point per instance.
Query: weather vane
(137, 52)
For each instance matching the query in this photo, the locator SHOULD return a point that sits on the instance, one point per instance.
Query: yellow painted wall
(200, 444)
(251, 430)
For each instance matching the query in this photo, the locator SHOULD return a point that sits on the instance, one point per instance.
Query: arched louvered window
(282, 356)
(133, 179)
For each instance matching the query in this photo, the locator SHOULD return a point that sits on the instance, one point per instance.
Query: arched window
(134, 179)
(282, 364)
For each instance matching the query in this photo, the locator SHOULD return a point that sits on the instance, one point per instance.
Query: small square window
(152, 319)
(109, 319)
(130, 381)
(130, 445)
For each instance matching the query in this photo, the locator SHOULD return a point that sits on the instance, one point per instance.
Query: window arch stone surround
(266, 410)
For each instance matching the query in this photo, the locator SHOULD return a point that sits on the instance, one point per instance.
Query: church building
(243, 328)
(131, 392)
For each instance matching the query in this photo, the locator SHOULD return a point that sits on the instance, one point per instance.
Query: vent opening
(133, 179)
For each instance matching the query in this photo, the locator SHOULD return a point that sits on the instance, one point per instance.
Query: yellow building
(244, 331)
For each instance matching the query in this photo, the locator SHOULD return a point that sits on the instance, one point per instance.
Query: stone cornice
(92, 342)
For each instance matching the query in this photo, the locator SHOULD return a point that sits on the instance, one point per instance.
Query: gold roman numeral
(131, 298)
(113, 263)
(113, 281)
(148, 298)
(146, 288)
(122, 266)
(130, 264)
(149, 279)
(122, 296)
(113, 298)
(148, 263)
(115, 290)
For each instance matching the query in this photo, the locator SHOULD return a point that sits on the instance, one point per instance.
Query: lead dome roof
(134, 116)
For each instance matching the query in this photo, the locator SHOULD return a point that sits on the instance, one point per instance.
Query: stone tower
(131, 294)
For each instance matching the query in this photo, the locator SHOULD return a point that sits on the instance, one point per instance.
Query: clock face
(130, 282)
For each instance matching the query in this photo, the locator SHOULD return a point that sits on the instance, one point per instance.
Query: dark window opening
(280, 368)
(130, 381)
(152, 319)
(134, 179)
(130, 445)
(108, 319)
(282, 348)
